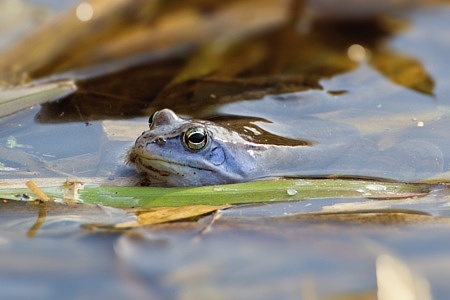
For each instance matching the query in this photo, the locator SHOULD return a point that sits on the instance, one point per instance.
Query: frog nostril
(160, 141)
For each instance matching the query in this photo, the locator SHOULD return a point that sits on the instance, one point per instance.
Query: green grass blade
(251, 192)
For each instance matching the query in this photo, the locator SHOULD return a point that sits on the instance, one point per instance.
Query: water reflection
(396, 281)
(338, 74)
(386, 77)
(333, 260)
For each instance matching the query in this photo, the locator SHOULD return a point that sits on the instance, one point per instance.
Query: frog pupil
(196, 137)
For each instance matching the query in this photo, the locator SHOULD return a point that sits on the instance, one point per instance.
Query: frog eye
(152, 119)
(195, 138)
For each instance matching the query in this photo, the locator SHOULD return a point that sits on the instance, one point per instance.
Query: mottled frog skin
(210, 155)
(182, 152)
(188, 152)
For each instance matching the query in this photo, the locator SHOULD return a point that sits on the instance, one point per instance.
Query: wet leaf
(403, 70)
(208, 59)
(65, 38)
(388, 217)
(138, 29)
(56, 217)
(250, 192)
(259, 191)
(170, 214)
(18, 98)
(222, 58)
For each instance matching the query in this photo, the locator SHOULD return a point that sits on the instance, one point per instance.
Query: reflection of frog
(181, 152)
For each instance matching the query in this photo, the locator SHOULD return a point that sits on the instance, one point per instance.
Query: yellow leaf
(404, 71)
(170, 214)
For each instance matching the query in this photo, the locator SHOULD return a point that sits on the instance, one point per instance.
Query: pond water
(400, 110)
(385, 76)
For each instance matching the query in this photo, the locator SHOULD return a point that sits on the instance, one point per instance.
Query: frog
(179, 151)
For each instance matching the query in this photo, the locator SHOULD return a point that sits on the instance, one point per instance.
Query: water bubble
(376, 187)
(291, 192)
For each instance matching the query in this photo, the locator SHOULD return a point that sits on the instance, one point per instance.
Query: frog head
(181, 152)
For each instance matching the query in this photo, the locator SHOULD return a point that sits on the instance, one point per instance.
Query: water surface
(395, 93)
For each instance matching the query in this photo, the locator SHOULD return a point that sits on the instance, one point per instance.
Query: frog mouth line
(141, 161)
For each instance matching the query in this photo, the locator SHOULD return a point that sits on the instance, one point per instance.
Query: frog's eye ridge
(151, 119)
(195, 138)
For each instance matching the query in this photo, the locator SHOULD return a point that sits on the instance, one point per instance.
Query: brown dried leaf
(170, 214)
(121, 29)
(403, 70)
(222, 58)
(66, 38)
(205, 61)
